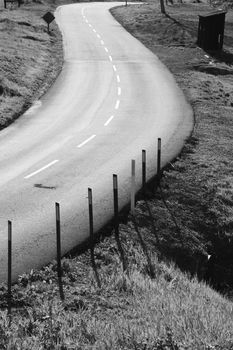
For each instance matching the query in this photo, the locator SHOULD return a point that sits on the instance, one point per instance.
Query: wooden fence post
(116, 220)
(159, 158)
(58, 236)
(143, 171)
(9, 295)
(132, 186)
(91, 230)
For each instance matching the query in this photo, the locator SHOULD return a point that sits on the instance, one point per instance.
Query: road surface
(112, 99)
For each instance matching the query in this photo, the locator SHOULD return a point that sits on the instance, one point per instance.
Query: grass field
(153, 305)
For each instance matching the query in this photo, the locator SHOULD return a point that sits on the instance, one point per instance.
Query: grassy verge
(30, 58)
(199, 188)
(152, 305)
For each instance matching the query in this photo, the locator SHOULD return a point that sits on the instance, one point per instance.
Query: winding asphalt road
(112, 99)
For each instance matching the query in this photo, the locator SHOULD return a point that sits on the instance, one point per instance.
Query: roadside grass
(198, 218)
(30, 58)
(131, 310)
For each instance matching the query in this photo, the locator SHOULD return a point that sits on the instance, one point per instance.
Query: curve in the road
(112, 99)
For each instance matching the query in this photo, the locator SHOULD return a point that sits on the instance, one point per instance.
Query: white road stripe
(109, 120)
(114, 67)
(119, 91)
(98, 36)
(118, 78)
(117, 104)
(110, 57)
(86, 141)
(41, 169)
(94, 30)
(86, 20)
(90, 25)
(102, 42)
(106, 49)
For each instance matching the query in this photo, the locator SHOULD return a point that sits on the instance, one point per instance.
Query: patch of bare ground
(193, 209)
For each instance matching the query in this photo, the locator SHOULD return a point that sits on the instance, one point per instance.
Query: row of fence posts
(91, 226)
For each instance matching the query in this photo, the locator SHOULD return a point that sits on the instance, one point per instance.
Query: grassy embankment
(154, 305)
(199, 190)
(30, 58)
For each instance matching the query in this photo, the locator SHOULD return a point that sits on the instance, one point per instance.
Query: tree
(162, 6)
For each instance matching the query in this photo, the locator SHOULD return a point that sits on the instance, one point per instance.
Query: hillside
(30, 58)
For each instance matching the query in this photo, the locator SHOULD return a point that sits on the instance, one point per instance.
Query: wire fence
(91, 246)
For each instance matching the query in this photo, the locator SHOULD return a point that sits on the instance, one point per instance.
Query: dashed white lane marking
(117, 104)
(41, 169)
(86, 141)
(109, 120)
(118, 80)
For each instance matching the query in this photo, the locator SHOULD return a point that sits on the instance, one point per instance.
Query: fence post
(132, 186)
(159, 158)
(91, 228)
(116, 220)
(115, 197)
(9, 268)
(91, 225)
(58, 236)
(143, 171)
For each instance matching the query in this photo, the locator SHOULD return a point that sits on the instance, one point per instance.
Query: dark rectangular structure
(211, 30)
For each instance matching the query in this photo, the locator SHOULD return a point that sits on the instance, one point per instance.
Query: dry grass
(129, 311)
(30, 58)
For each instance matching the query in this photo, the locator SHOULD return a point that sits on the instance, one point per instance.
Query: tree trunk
(162, 6)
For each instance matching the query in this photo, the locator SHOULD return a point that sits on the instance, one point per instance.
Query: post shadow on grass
(92, 240)
(150, 266)
(222, 56)
(169, 210)
(152, 221)
(116, 222)
(187, 26)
